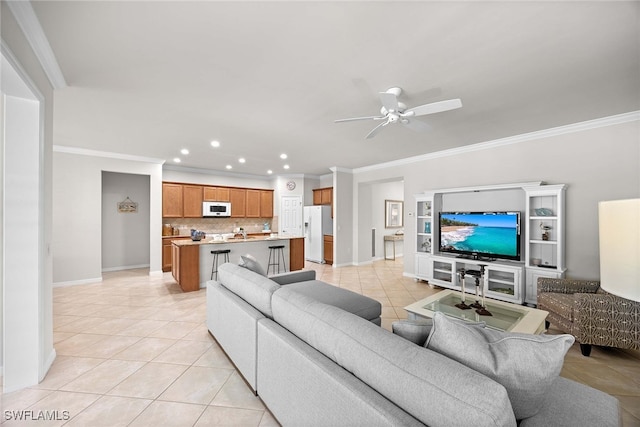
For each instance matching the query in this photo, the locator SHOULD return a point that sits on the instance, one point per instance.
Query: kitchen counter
(233, 240)
(192, 260)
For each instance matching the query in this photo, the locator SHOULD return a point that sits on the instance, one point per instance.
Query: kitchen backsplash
(221, 225)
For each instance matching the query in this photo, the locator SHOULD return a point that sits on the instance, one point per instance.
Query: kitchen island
(192, 260)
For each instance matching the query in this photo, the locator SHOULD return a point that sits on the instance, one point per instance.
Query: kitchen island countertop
(192, 260)
(256, 238)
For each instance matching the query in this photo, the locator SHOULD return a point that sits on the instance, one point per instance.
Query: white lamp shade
(620, 248)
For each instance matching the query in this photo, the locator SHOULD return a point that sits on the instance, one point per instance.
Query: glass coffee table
(505, 316)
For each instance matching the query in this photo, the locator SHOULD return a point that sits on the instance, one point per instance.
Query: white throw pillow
(250, 263)
(525, 364)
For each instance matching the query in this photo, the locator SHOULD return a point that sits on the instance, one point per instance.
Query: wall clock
(291, 185)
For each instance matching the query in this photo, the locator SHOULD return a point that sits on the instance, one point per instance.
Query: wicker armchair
(593, 316)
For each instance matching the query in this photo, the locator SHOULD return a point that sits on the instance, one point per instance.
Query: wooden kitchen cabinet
(172, 204)
(266, 203)
(192, 201)
(185, 266)
(238, 199)
(253, 204)
(166, 250)
(317, 197)
(326, 196)
(216, 194)
(296, 254)
(328, 249)
(323, 196)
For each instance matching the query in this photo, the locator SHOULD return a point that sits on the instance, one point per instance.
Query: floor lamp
(620, 247)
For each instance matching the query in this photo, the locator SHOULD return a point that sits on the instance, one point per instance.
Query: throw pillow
(250, 263)
(416, 331)
(525, 364)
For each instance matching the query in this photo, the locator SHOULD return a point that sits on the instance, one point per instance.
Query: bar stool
(214, 265)
(277, 252)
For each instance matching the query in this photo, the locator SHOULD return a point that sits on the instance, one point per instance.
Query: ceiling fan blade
(389, 101)
(415, 125)
(376, 129)
(359, 118)
(434, 107)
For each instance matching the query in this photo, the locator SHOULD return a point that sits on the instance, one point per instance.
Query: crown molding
(220, 173)
(105, 154)
(545, 133)
(30, 26)
(340, 169)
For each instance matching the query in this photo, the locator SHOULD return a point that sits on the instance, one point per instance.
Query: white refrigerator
(317, 223)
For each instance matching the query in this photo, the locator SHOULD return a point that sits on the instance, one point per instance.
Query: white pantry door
(291, 216)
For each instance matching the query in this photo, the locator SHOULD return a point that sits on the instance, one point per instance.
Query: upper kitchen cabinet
(266, 203)
(192, 201)
(323, 196)
(172, 204)
(217, 194)
(253, 204)
(238, 199)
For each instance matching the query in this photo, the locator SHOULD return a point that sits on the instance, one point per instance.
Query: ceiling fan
(393, 111)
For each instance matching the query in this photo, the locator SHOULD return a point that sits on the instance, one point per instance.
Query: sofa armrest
(567, 286)
(606, 319)
(294, 277)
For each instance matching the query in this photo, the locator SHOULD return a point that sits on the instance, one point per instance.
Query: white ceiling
(150, 78)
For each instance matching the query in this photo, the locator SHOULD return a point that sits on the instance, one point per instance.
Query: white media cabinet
(542, 212)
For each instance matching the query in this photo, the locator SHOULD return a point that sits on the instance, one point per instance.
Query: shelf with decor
(544, 236)
(424, 235)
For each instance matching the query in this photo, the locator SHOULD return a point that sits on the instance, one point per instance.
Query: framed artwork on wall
(393, 213)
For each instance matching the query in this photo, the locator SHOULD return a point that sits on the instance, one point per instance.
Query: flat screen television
(484, 235)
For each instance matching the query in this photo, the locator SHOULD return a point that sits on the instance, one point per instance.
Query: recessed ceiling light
(215, 144)
(242, 160)
(184, 151)
(286, 166)
(269, 171)
(283, 156)
(229, 167)
(176, 160)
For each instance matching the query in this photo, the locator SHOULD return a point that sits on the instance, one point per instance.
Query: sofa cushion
(568, 403)
(560, 304)
(355, 303)
(525, 364)
(432, 388)
(416, 331)
(248, 285)
(249, 262)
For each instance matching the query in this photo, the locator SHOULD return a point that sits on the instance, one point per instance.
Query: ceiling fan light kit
(393, 111)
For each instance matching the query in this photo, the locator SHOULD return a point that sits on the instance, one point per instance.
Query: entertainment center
(513, 232)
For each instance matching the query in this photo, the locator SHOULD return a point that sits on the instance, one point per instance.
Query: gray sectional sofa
(316, 356)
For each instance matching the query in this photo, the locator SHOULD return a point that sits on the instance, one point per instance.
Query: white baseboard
(48, 363)
(157, 273)
(77, 282)
(125, 267)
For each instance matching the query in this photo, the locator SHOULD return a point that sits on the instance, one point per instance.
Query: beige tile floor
(134, 350)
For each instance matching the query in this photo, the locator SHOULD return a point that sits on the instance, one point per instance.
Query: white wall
(597, 164)
(344, 231)
(31, 347)
(77, 214)
(125, 236)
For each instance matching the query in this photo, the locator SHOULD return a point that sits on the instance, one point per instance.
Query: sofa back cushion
(248, 285)
(432, 388)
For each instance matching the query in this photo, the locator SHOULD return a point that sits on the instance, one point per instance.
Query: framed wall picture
(393, 213)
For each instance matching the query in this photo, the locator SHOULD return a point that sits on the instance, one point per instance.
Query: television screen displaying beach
(495, 233)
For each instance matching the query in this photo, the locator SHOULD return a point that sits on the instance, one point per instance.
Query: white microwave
(213, 209)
